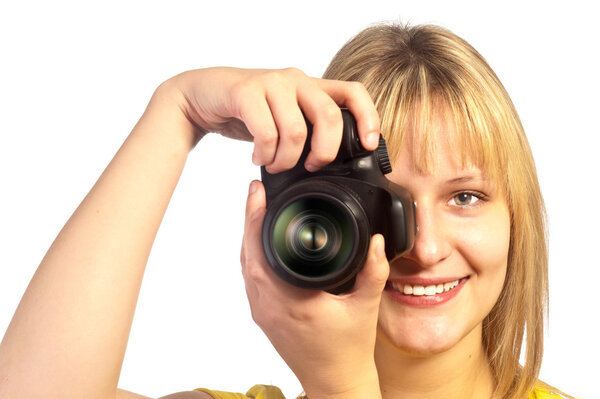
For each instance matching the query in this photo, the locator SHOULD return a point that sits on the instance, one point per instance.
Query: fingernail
(311, 168)
(373, 139)
(252, 187)
(380, 250)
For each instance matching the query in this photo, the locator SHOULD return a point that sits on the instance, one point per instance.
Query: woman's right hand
(73, 346)
(267, 106)
(334, 335)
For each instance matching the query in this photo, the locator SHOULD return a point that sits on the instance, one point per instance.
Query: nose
(431, 244)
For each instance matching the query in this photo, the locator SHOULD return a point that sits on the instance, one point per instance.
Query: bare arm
(68, 336)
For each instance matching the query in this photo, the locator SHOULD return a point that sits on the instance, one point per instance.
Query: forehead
(443, 164)
(437, 149)
(430, 141)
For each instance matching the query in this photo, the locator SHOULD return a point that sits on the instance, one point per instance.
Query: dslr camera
(318, 226)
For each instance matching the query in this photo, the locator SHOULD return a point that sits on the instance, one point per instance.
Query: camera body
(317, 227)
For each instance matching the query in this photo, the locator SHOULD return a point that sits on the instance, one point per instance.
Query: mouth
(425, 292)
(419, 290)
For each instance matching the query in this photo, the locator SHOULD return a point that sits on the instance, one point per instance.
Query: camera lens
(312, 237)
(316, 235)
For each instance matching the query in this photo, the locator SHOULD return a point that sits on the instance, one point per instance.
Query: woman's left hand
(327, 340)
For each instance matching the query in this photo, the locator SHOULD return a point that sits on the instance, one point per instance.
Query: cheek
(485, 247)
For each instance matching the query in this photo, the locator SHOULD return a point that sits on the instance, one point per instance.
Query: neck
(462, 371)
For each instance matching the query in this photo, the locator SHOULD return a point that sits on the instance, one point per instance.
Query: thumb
(371, 280)
(255, 205)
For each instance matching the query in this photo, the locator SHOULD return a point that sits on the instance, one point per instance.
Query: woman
(457, 145)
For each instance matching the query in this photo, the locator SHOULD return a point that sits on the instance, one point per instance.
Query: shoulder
(544, 391)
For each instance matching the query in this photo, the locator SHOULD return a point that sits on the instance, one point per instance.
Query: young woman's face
(440, 292)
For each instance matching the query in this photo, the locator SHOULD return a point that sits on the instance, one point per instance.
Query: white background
(76, 76)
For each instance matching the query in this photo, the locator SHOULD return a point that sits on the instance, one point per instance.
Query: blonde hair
(412, 72)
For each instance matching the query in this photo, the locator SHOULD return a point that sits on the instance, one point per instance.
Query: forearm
(69, 333)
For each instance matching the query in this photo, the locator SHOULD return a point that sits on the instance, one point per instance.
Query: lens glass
(313, 237)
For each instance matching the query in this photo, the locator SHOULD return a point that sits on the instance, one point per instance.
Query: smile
(419, 290)
(426, 293)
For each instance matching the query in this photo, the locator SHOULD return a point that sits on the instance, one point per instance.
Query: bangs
(414, 103)
(423, 79)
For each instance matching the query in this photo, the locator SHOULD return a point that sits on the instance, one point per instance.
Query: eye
(466, 199)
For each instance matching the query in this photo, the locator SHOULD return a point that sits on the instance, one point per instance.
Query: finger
(256, 115)
(291, 127)
(371, 280)
(255, 212)
(248, 258)
(254, 263)
(260, 280)
(355, 97)
(326, 118)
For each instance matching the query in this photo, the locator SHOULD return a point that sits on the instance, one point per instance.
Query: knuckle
(281, 76)
(253, 271)
(267, 136)
(332, 114)
(380, 277)
(297, 132)
(244, 89)
(274, 76)
(243, 256)
(300, 315)
(294, 72)
(357, 87)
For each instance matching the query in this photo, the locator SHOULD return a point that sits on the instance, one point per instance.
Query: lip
(425, 300)
(426, 281)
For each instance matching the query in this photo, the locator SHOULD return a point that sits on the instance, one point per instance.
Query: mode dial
(383, 158)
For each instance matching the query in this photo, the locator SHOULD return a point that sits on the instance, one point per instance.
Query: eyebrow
(467, 178)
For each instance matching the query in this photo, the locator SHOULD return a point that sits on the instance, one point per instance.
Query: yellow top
(256, 392)
(271, 392)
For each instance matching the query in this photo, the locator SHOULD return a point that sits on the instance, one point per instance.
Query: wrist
(165, 115)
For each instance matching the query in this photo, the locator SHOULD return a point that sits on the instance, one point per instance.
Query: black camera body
(317, 227)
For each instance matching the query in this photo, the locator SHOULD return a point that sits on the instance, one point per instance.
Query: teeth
(430, 290)
(419, 290)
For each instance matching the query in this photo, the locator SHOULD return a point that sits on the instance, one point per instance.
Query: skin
(69, 333)
(68, 336)
(460, 236)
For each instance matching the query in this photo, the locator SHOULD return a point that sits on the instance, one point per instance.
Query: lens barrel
(315, 234)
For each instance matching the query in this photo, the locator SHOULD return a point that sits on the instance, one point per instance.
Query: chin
(426, 338)
(425, 344)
